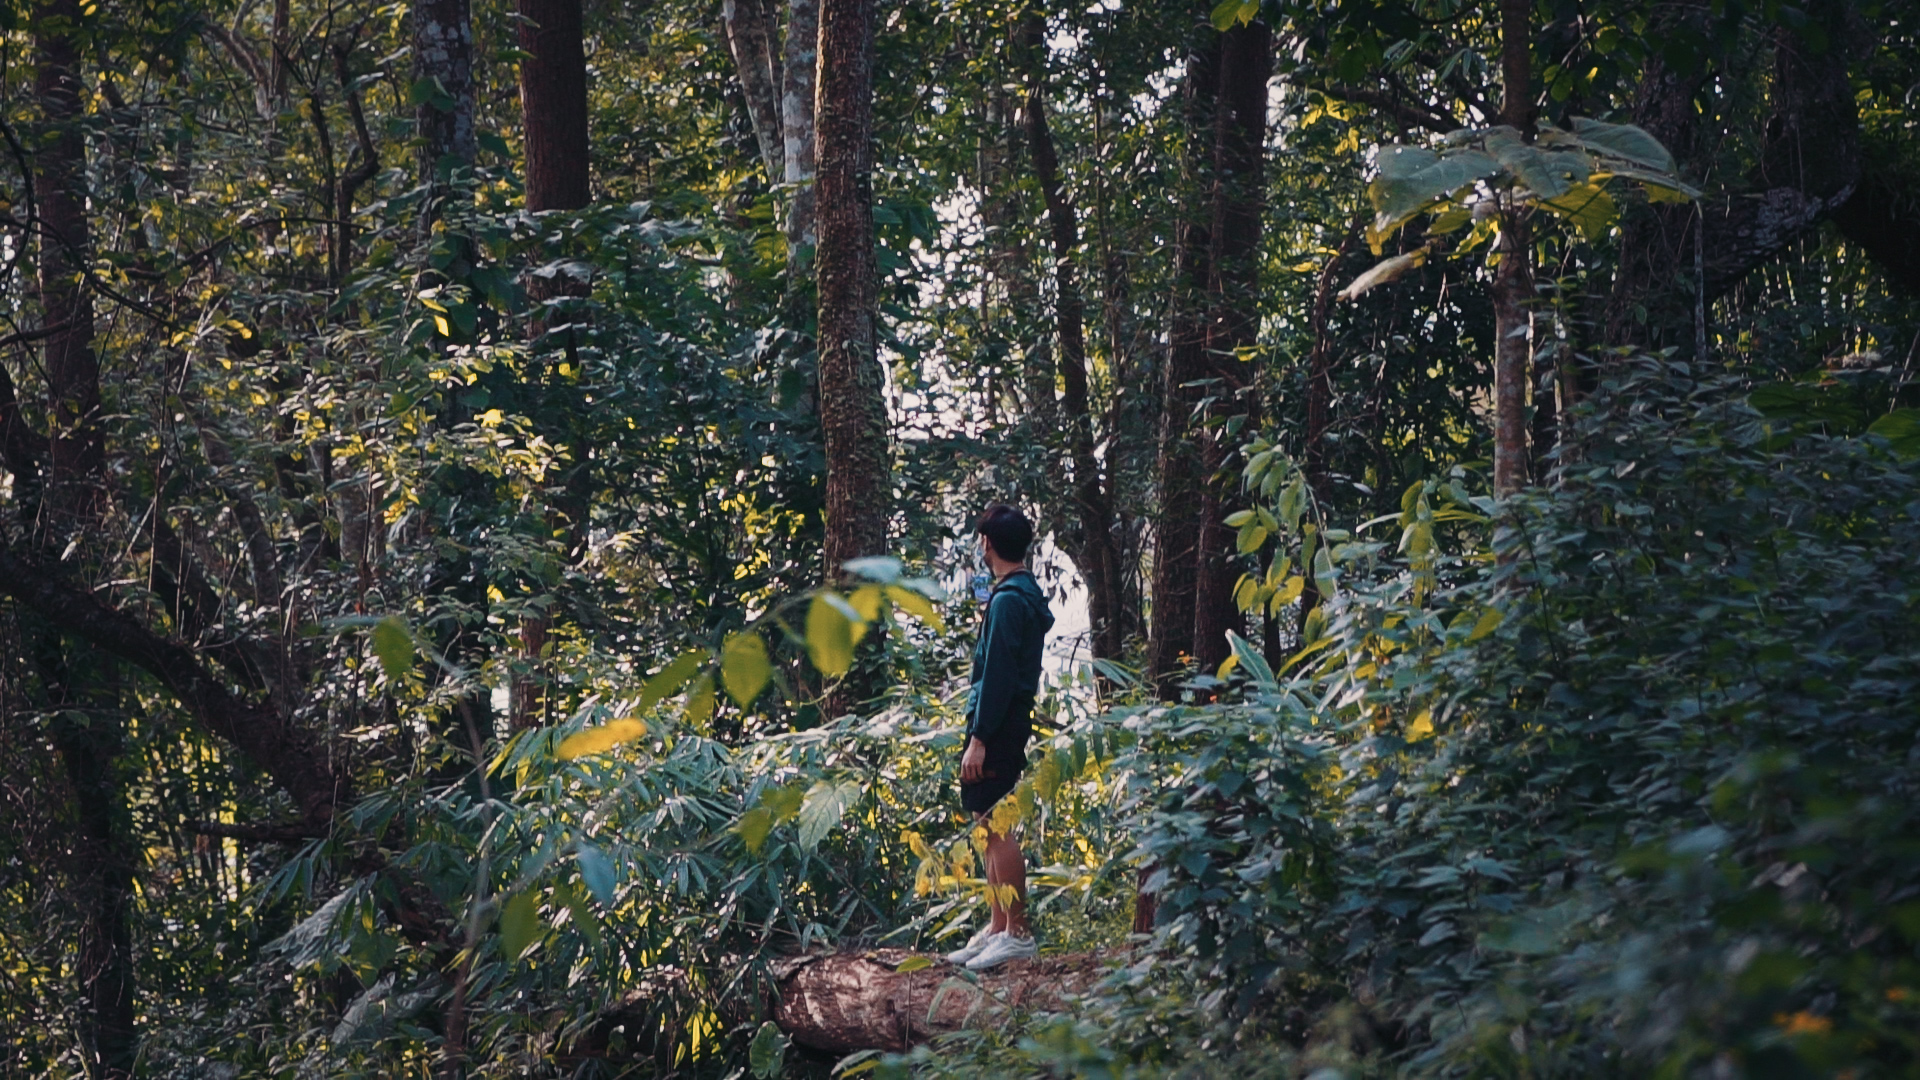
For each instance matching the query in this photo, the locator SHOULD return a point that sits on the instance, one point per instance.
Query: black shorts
(1006, 760)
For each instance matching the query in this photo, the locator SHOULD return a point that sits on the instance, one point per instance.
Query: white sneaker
(972, 948)
(1002, 948)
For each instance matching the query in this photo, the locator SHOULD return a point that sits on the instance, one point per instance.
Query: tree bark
(799, 74)
(1239, 198)
(553, 104)
(1093, 504)
(843, 1002)
(443, 55)
(853, 415)
(1177, 464)
(1513, 280)
(76, 490)
(749, 39)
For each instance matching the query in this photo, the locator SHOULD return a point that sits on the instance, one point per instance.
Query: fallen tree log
(842, 1002)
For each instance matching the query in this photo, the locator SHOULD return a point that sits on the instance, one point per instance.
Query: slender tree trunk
(1093, 504)
(1513, 281)
(553, 103)
(1177, 466)
(853, 414)
(799, 74)
(1239, 197)
(76, 450)
(749, 29)
(443, 55)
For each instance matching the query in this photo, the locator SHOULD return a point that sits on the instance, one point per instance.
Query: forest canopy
(487, 500)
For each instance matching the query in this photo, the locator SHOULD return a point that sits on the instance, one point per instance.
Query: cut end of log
(842, 1002)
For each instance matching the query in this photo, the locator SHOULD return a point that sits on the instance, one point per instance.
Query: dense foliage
(417, 654)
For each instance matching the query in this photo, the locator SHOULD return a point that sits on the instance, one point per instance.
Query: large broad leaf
(1623, 141)
(1549, 174)
(1589, 208)
(830, 622)
(670, 679)
(768, 1051)
(1256, 665)
(1413, 176)
(1901, 427)
(1382, 273)
(700, 702)
(754, 827)
(393, 644)
(744, 666)
(826, 802)
(519, 925)
(1660, 187)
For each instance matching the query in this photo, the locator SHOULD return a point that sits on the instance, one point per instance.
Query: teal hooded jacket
(1006, 659)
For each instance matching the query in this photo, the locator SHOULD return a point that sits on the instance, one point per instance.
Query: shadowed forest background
(488, 490)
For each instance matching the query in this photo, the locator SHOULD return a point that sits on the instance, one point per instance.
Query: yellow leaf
(753, 827)
(830, 634)
(1245, 593)
(1422, 726)
(866, 601)
(1489, 621)
(744, 666)
(599, 740)
(915, 842)
(1287, 594)
(916, 605)
(913, 963)
(440, 324)
(668, 681)
(1251, 537)
(1226, 666)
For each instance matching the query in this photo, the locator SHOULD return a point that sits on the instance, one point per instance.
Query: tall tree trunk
(443, 55)
(77, 453)
(1177, 464)
(1513, 281)
(853, 413)
(1097, 559)
(799, 75)
(749, 27)
(553, 103)
(1239, 197)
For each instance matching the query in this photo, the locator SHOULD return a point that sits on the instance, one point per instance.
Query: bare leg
(1006, 865)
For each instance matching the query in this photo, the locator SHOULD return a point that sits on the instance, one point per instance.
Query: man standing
(1006, 677)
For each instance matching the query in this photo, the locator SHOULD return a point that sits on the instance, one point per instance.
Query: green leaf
(1488, 622)
(1549, 174)
(784, 802)
(596, 870)
(1225, 14)
(768, 1051)
(583, 917)
(1901, 428)
(913, 963)
(825, 804)
(1239, 518)
(1256, 665)
(916, 605)
(519, 925)
(744, 666)
(700, 703)
(880, 569)
(671, 678)
(1323, 579)
(1589, 208)
(393, 644)
(1251, 537)
(753, 828)
(1411, 177)
(1293, 503)
(1623, 141)
(830, 633)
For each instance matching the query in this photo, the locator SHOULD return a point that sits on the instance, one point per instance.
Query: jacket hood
(1022, 584)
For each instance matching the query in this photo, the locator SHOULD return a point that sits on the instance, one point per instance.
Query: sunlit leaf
(830, 633)
(393, 645)
(1251, 537)
(700, 702)
(1589, 208)
(754, 827)
(916, 605)
(1384, 272)
(1488, 622)
(826, 802)
(914, 963)
(1623, 141)
(1287, 594)
(784, 802)
(1412, 177)
(882, 569)
(745, 667)
(865, 602)
(599, 740)
(668, 681)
